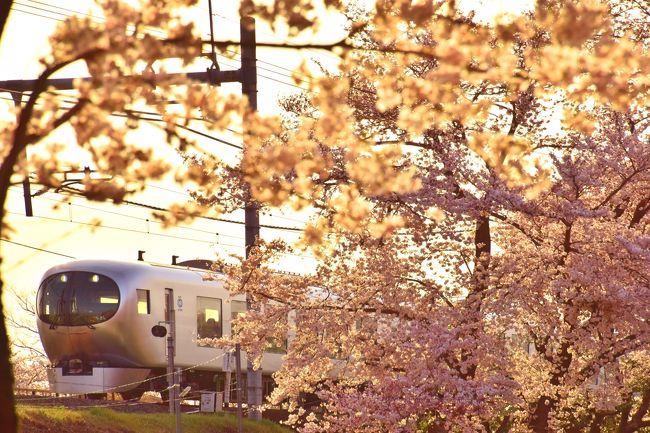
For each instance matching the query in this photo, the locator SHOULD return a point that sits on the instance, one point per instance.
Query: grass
(59, 419)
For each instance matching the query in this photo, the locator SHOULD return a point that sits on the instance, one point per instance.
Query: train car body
(95, 319)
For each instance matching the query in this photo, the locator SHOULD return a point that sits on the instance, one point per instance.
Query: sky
(59, 231)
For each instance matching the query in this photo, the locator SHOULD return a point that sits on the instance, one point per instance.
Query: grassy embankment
(102, 420)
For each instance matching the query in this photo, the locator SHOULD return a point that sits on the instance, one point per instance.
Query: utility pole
(173, 376)
(27, 193)
(238, 379)
(169, 313)
(251, 208)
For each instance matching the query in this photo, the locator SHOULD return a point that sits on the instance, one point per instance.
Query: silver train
(95, 320)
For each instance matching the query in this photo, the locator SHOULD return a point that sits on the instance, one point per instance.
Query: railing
(39, 392)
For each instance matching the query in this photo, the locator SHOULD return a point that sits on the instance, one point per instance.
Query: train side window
(236, 308)
(208, 318)
(144, 306)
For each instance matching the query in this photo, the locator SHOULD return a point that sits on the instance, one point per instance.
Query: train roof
(112, 267)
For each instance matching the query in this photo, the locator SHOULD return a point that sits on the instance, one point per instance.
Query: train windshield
(77, 298)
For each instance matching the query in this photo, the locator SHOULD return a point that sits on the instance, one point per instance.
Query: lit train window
(143, 301)
(236, 308)
(208, 318)
(275, 346)
(77, 298)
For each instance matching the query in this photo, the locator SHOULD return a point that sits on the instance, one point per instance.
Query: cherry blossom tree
(27, 356)
(478, 187)
(481, 192)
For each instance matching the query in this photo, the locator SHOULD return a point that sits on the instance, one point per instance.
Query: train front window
(77, 298)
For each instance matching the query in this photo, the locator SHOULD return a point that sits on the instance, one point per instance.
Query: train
(95, 320)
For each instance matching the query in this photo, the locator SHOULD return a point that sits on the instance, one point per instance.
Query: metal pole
(27, 193)
(177, 400)
(251, 209)
(210, 77)
(228, 360)
(238, 379)
(169, 312)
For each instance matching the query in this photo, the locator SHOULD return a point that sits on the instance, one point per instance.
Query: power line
(47, 10)
(217, 241)
(146, 119)
(127, 230)
(148, 185)
(222, 60)
(36, 248)
(198, 133)
(146, 220)
(162, 209)
(36, 15)
(62, 8)
(71, 13)
(103, 226)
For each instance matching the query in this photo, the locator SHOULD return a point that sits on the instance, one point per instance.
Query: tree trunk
(5, 7)
(539, 420)
(482, 243)
(8, 418)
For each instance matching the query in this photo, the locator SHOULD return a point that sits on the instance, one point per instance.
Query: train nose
(76, 367)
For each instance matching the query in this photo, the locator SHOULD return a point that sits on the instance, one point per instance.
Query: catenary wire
(162, 209)
(127, 230)
(36, 248)
(168, 236)
(147, 220)
(146, 119)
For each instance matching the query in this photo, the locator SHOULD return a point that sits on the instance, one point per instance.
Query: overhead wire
(186, 194)
(185, 127)
(217, 241)
(13, 8)
(36, 248)
(71, 13)
(207, 136)
(20, 192)
(146, 119)
(162, 209)
(47, 10)
(269, 214)
(104, 226)
(75, 12)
